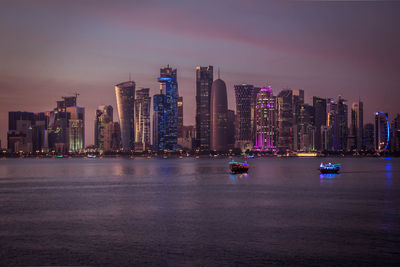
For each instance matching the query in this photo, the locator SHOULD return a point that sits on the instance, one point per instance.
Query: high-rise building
(125, 94)
(244, 94)
(231, 120)
(341, 126)
(103, 115)
(204, 80)
(219, 110)
(297, 101)
(369, 137)
(169, 88)
(319, 105)
(112, 137)
(253, 114)
(306, 128)
(180, 117)
(161, 106)
(284, 117)
(265, 120)
(357, 124)
(142, 119)
(76, 128)
(395, 130)
(66, 128)
(382, 132)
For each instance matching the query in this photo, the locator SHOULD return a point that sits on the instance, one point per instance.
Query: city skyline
(357, 58)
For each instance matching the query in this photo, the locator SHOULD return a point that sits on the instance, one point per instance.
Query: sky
(50, 49)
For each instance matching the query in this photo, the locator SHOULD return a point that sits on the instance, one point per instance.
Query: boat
(329, 168)
(247, 156)
(238, 167)
(91, 156)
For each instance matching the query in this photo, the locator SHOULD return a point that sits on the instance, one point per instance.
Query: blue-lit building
(165, 120)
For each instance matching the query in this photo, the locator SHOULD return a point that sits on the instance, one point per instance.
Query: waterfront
(194, 212)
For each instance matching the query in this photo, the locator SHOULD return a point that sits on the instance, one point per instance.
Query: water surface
(194, 212)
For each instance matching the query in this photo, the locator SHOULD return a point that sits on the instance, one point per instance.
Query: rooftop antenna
(130, 79)
(218, 73)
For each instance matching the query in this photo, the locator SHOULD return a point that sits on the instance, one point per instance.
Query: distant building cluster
(263, 122)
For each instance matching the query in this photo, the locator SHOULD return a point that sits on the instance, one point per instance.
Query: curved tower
(382, 131)
(218, 112)
(265, 120)
(125, 93)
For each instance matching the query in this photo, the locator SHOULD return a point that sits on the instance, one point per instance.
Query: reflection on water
(195, 212)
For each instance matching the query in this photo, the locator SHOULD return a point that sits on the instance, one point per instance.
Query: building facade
(265, 112)
(357, 124)
(204, 81)
(320, 116)
(125, 94)
(219, 110)
(103, 115)
(142, 119)
(244, 94)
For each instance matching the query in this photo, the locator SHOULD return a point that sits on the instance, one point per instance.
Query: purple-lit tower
(265, 120)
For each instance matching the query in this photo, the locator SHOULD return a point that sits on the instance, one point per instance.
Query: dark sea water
(174, 212)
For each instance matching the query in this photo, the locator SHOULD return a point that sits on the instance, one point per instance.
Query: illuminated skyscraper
(142, 119)
(104, 114)
(204, 80)
(244, 94)
(161, 107)
(265, 120)
(219, 110)
(169, 105)
(180, 117)
(76, 128)
(357, 125)
(319, 105)
(297, 101)
(125, 94)
(382, 132)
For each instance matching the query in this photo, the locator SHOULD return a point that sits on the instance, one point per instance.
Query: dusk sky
(50, 49)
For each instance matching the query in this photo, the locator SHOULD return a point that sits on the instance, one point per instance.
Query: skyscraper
(357, 124)
(306, 129)
(395, 130)
(76, 128)
(231, 129)
(169, 88)
(112, 137)
(142, 119)
(244, 131)
(161, 106)
(265, 120)
(219, 109)
(341, 126)
(369, 137)
(103, 115)
(319, 105)
(297, 101)
(180, 117)
(125, 94)
(382, 131)
(284, 120)
(204, 80)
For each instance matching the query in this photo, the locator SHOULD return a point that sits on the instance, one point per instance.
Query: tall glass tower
(125, 93)
(265, 120)
(204, 81)
(244, 94)
(167, 107)
(142, 119)
(219, 110)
